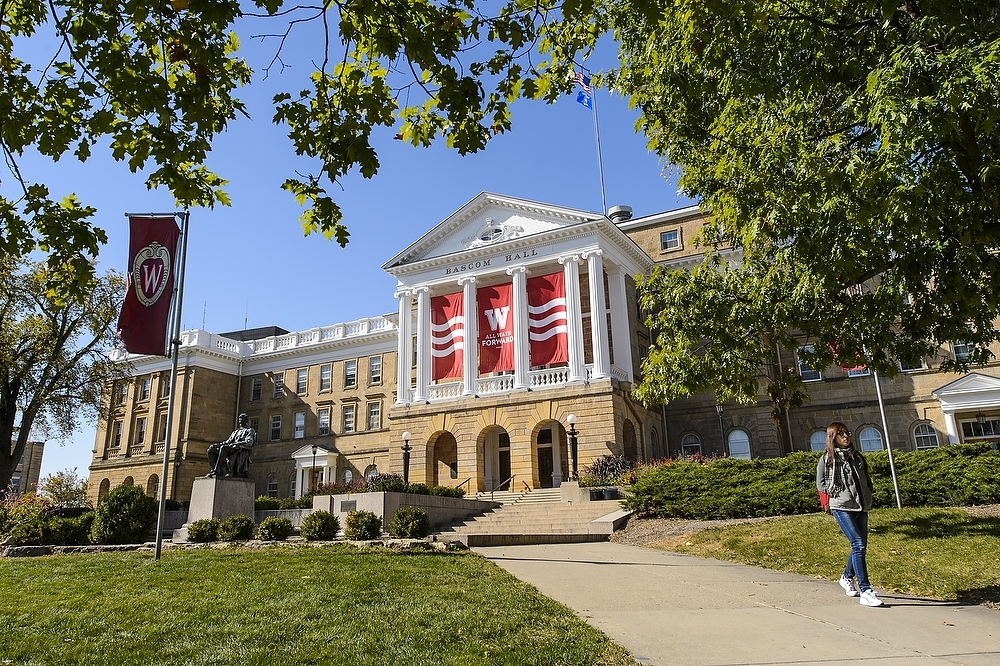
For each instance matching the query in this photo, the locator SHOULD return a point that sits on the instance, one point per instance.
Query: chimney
(619, 214)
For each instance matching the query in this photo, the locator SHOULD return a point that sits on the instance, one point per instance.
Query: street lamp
(312, 472)
(722, 428)
(571, 420)
(406, 456)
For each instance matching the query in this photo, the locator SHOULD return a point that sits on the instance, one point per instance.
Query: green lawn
(331, 605)
(940, 553)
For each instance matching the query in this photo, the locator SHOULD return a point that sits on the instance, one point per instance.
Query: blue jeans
(854, 525)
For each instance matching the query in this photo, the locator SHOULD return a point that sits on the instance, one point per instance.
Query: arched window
(152, 486)
(348, 476)
(654, 442)
(103, 489)
(925, 436)
(292, 484)
(129, 481)
(690, 445)
(371, 471)
(817, 440)
(870, 439)
(272, 486)
(739, 444)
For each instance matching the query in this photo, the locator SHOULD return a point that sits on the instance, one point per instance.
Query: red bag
(824, 500)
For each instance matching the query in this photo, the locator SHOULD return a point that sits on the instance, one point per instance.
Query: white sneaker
(869, 598)
(849, 587)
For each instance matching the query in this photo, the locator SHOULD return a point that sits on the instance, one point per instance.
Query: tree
(54, 359)
(64, 488)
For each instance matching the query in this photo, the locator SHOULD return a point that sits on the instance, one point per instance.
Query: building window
(906, 366)
(739, 444)
(152, 486)
(805, 371)
(691, 445)
(165, 383)
(413, 352)
(144, 388)
(163, 429)
(925, 437)
(375, 370)
(324, 377)
(348, 477)
(860, 371)
(348, 414)
(374, 415)
(122, 393)
(324, 421)
(870, 439)
(279, 385)
(15, 484)
(291, 484)
(977, 430)
(670, 240)
(116, 439)
(301, 381)
(272, 486)
(817, 440)
(371, 471)
(255, 386)
(276, 427)
(253, 422)
(20, 463)
(300, 425)
(140, 430)
(350, 373)
(961, 350)
(103, 489)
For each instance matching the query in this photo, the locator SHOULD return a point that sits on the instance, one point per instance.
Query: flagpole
(175, 342)
(888, 446)
(600, 161)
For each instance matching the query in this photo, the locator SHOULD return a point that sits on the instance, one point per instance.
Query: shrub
(447, 491)
(356, 485)
(274, 528)
(385, 483)
(410, 522)
(174, 505)
(418, 489)
(236, 528)
(320, 526)
(22, 519)
(60, 530)
(362, 525)
(265, 503)
(124, 515)
(607, 471)
(204, 530)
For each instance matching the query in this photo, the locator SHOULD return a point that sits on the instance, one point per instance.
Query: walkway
(676, 609)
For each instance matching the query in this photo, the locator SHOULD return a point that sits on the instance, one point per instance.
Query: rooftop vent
(620, 214)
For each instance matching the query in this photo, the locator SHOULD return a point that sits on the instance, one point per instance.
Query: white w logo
(151, 277)
(497, 317)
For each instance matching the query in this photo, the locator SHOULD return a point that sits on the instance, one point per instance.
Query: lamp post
(981, 418)
(406, 456)
(571, 420)
(722, 429)
(312, 472)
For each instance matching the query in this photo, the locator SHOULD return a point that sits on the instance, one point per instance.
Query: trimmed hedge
(204, 530)
(320, 526)
(959, 475)
(362, 525)
(124, 515)
(274, 528)
(410, 522)
(236, 528)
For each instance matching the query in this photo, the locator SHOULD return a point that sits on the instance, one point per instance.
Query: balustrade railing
(444, 391)
(549, 377)
(501, 384)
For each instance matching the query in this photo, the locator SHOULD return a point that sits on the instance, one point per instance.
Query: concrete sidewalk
(668, 608)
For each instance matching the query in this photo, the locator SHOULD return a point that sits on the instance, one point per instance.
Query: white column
(520, 314)
(556, 459)
(403, 348)
(951, 426)
(299, 474)
(470, 348)
(423, 342)
(621, 335)
(598, 318)
(574, 317)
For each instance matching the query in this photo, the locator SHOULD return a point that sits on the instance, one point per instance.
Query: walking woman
(842, 473)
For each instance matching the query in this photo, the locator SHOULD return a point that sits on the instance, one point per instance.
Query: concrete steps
(542, 519)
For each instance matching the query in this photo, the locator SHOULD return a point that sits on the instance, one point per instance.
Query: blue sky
(251, 261)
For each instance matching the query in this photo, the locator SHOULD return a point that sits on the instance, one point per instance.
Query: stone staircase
(538, 516)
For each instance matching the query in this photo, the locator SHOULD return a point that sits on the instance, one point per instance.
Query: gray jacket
(847, 482)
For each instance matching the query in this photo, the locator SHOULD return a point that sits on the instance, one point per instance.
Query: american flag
(580, 79)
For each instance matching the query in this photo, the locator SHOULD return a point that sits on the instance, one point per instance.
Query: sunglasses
(845, 433)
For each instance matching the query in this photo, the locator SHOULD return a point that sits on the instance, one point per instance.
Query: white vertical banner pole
(600, 161)
(175, 343)
(888, 446)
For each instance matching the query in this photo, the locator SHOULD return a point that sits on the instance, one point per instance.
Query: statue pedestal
(217, 498)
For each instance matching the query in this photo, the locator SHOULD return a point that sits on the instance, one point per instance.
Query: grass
(307, 605)
(940, 553)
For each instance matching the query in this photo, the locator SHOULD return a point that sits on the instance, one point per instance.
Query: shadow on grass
(940, 526)
(984, 596)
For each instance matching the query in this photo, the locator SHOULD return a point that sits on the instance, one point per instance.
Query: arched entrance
(442, 458)
(550, 454)
(496, 459)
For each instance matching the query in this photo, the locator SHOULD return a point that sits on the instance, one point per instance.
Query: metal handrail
(502, 483)
(464, 482)
(527, 488)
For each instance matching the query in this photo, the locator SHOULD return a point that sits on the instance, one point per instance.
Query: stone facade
(29, 467)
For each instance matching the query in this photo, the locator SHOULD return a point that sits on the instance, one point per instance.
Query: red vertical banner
(496, 328)
(447, 335)
(547, 329)
(152, 262)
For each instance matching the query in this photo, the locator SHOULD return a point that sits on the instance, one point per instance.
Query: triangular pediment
(307, 452)
(974, 382)
(489, 220)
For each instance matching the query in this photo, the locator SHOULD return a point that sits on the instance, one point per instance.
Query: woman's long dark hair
(831, 439)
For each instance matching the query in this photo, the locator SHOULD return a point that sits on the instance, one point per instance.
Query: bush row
(958, 475)
(407, 522)
(380, 483)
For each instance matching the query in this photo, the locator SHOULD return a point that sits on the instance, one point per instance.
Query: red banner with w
(447, 335)
(547, 319)
(496, 328)
(145, 315)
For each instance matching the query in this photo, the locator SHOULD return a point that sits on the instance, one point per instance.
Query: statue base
(217, 498)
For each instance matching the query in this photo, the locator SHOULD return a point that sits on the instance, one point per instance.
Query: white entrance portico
(971, 408)
(314, 468)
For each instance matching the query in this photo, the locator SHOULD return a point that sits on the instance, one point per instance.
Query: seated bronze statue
(231, 458)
